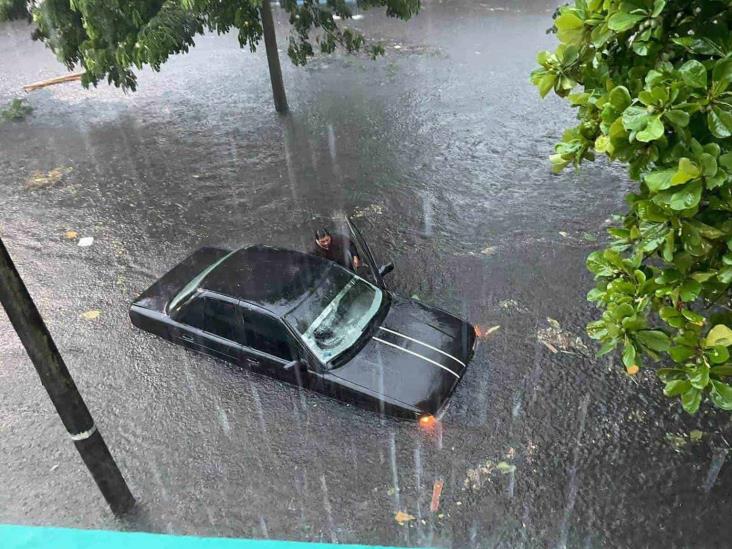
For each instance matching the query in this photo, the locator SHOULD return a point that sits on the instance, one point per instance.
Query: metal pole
(273, 59)
(74, 414)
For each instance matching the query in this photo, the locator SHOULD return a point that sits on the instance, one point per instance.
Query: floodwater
(439, 150)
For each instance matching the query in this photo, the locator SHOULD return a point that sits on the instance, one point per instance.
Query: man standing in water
(336, 248)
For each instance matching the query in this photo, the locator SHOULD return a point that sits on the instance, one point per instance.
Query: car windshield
(333, 317)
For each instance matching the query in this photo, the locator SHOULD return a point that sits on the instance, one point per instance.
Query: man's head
(323, 238)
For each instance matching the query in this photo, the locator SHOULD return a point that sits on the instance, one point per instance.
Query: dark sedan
(311, 322)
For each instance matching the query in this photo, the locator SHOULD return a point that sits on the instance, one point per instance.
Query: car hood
(416, 356)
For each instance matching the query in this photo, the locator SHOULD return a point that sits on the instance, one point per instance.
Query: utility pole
(273, 59)
(74, 414)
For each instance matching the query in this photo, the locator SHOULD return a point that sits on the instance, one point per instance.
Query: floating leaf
(505, 467)
(403, 518)
(93, 314)
(70, 235)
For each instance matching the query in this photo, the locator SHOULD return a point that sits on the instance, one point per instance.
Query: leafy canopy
(110, 38)
(652, 84)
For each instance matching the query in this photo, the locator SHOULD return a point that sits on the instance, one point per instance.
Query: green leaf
(655, 340)
(619, 98)
(546, 83)
(694, 74)
(689, 290)
(686, 171)
(629, 354)
(569, 28)
(658, 6)
(725, 275)
(653, 130)
(691, 399)
(670, 374)
(681, 353)
(621, 21)
(660, 180)
(676, 387)
(635, 118)
(721, 371)
(678, 118)
(686, 198)
(719, 122)
(721, 395)
(597, 264)
(719, 335)
(718, 355)
(723, 71)
(708, 164)
(699, 377)
(725, 160)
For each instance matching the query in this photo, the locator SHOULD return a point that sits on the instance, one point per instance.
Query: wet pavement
(440, 151)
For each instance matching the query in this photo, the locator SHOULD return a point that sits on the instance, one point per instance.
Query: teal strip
(41, 537)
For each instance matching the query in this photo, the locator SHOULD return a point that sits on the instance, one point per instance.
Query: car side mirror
(298, 368)
(386, 269)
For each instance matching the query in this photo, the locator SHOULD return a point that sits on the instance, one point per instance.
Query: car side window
(268, 335)
(221, 320)
(192, 313)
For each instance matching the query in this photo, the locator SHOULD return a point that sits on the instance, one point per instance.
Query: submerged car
(309, 321)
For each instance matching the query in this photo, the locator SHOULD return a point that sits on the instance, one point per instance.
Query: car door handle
(186, 337)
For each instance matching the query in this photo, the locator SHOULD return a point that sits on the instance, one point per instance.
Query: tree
(110, 38)
(652, 84)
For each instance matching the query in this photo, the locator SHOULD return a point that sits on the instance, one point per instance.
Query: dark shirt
(341, 250)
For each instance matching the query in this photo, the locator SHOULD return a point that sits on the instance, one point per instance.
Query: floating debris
(70, 235)
(41, 180)
(505, 467)
(86, 241)
(373, 209)
(488, 250)
(558, 340)
(720, 454)
(483, 333)
(565, 234)
(91, 315)
(403, 518)
(481, 474)
(436, 492)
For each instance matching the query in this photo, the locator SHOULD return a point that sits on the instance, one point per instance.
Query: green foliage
(15, 110)
(13, 9)
(652, 84)
(112, 38)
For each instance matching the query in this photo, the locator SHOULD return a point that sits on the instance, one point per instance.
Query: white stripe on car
(417, 355)
(424, 345)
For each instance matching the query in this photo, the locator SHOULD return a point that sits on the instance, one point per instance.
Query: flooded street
(440, 151)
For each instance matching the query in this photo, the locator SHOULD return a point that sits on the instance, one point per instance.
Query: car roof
(272, 278)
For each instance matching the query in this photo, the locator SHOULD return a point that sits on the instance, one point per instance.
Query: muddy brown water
(439, 149)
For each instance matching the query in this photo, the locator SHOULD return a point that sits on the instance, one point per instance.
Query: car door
(223, 333)
(368, 256)
(268, 346)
